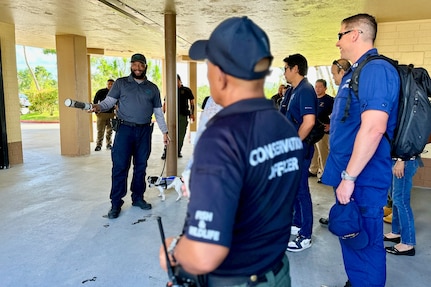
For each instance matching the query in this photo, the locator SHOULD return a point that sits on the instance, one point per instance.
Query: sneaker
(180, 155)
(300, 243)
(98, 148)
(324, 221)
(294, 230)
(114, 212)
(109, 146)
(142, 204)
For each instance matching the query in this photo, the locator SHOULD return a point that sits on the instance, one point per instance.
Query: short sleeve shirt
(303, 101)
(378, 90)
(242, 183)
(136, 101)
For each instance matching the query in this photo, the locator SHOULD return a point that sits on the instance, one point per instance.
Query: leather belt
(130, 124)
(216, 281)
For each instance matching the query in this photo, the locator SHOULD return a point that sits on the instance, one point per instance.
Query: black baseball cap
(138, 58)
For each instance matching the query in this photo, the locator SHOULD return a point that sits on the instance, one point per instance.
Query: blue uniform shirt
(378, 90)
(135, 100)
(303, 101)
(243, 184)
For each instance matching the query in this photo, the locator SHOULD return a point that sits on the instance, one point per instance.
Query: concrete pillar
(194, 87)
(10, 90)
(73, 83)
(171, 91)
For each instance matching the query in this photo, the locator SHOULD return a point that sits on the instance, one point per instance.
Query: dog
(163, 183)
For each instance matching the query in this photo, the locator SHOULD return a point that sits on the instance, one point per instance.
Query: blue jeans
(402, 215)
(129, 142)
(303, 216)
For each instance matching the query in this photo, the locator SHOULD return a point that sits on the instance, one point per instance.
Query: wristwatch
(346, 176)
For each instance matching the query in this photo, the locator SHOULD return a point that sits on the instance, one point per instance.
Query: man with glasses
(359, 163)
(300, 107)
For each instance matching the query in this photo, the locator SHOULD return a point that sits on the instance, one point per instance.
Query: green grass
(43, 117)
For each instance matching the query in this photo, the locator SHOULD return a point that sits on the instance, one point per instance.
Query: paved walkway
(53, 233)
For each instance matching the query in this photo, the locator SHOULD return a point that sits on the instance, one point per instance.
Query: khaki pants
(320, 155)
(103, 123)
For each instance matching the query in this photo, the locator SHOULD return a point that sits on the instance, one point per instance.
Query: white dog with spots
(164, 183)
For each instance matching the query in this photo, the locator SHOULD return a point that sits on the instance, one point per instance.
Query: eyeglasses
(337, 64)
(341, 34)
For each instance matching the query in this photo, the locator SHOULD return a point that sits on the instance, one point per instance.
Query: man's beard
(139, 77)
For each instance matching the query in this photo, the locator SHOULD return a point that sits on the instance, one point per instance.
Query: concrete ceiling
(309, 27)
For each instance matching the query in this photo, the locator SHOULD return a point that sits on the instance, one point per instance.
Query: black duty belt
(216, 281)
(130, 124)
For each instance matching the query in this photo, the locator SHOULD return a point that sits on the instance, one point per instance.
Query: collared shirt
(136, 101)
(378, 90)
(243, 183)
(302, 101)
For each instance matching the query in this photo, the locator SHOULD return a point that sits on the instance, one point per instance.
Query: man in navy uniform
(245, 172)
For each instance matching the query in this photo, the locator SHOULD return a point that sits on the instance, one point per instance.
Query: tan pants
(321, 151)
(103, 124)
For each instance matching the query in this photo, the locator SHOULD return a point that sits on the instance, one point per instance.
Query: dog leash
(164, 161)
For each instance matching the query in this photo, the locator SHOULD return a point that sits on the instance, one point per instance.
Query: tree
(41, 89)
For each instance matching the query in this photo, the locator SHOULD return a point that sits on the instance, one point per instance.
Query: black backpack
(414, 112)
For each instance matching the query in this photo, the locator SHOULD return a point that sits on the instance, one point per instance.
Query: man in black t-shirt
(325, 104)
(185, 96)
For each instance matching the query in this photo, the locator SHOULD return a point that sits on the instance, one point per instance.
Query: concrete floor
(53, 232)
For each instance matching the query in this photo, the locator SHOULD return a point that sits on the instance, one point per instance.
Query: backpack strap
(354, 83)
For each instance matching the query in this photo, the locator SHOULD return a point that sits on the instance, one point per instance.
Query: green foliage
(104, 68)
(46, 117)
(46, 98)
(203, 91)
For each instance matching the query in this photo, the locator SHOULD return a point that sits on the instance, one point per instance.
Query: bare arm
(192, 110)
(373, 126)
(195, 257)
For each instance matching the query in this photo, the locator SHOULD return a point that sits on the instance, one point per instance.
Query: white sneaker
(294, 230)
(300, 243)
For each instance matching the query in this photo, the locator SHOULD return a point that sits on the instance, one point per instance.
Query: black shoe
(114, 213)
(109, 146)
(319, 181)
(348, 284)
(395, 251)
(142, 204)
(310, 174)
(324, 221)
(163, 156)
(394, 240)
(180, 155)
(98, 148)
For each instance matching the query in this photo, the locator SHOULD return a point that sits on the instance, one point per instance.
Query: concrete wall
(409, 42)
(10, 83)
